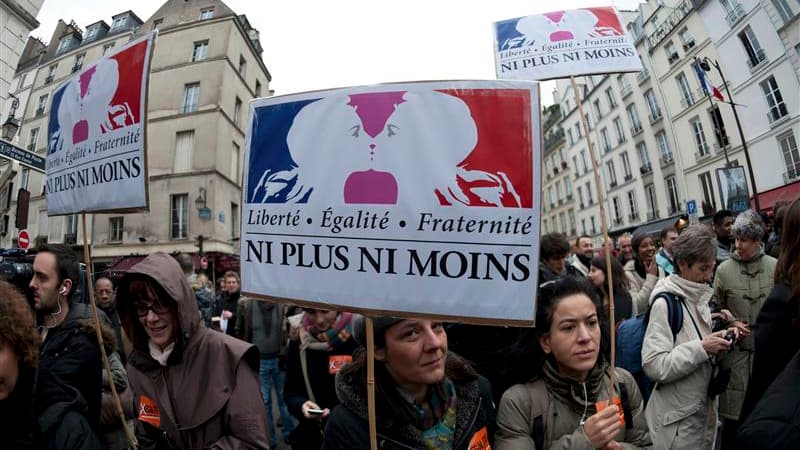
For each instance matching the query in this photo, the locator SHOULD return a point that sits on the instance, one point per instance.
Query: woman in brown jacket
(193, 387)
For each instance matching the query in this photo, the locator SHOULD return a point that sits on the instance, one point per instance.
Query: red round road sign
(204, 263)
(24, 240)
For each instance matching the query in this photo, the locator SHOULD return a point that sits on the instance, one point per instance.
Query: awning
(656, 226)
(787, 193)
(120, 266)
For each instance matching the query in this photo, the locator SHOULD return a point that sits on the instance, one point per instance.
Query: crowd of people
(200, 366)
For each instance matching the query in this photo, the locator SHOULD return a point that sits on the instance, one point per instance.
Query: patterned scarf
(327, 340)
(437, 417)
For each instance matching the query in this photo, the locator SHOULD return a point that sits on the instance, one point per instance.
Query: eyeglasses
(143, 308)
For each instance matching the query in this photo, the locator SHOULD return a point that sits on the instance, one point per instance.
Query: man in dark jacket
(70, 351)
(553, 253)
(227, 306)
(106, 301)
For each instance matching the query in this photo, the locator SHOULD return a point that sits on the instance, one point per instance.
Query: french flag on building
(705, 83)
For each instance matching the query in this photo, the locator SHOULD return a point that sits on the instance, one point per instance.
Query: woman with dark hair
(642, 271)
(425, 397)
(61, 423)
(777, 331)
(564, 377)
(598, 273)
(194, 388)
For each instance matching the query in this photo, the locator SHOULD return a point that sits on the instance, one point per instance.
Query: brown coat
(208, 394)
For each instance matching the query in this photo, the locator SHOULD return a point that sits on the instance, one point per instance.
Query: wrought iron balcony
(643, 76)
(645, 169)
(702, 154)
(655, 117)
(735, 15)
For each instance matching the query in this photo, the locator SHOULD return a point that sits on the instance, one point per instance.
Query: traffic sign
(24, 240)
(25, 157)
(204, 263)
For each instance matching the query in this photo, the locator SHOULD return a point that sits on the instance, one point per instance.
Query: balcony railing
(636, 129)
(612, 184)
(687, 101)
(628, 177)
(643, 76)
(31, 147)
(688, 45)
(48, 79)
(618, 221)
(652, 215)
(672, 58)
(633, 216)
(645, 169)
(655, 117)
(626, 90)
(666, 160)
(702, 154)
(77, 67)
(792, 174)
(756, 61)
(735, 15)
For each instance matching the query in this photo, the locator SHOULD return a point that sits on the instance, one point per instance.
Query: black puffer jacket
(63, 421)
(348, 427)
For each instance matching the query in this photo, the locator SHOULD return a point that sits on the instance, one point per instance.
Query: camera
(16, 267)
(730, 336)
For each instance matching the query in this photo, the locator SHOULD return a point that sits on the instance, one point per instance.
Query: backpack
(630, 334)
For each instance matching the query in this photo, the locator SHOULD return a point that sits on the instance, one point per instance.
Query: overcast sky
(320, 44)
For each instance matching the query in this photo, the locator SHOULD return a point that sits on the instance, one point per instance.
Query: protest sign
(733, 188)
(411, 199)
(563, 43)
(96, 159)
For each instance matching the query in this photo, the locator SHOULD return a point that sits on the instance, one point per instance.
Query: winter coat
(723, 250)
(71, 353)
(63, 423)
(679, 413)
(522, 403)
(640, 288)
(114, 435)
(228, 302)
(348, 427)
(208, 394)
(580, 268)
(741, 287)
(775, 422)
(775, 344)
(320, 376)
(276, 319)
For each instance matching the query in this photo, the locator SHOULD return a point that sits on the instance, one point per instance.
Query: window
(672, 193)
(604, 140)
(578, 130)
(583, 226)
(783, 9)
(686, 90)
(32, 138)
(612, 102)
(179, 216)
(562, 220)
(107, 48)
(568, 185)
(708, 190)
(571, 215)
(652, 104)
(200, 51)
(624, 85)
(64, 44)
(157, 23)
(791, 157)
(575, 165)
(242, 66)
(559, 192)
(699, 138)
(72, 227)
(41, 105)
(91, 32)
(652, 204)
(589, 191)
(570, 138)
(237, 111)
(633, 115)
(78, 62)
(620, 131)
(235, 156)
(258, 89)
(51, 74)
(118, 22)
(24, 177)
(115, 229)
(21, 81)
(580, 197)
(206, 13)
(617, 210)
(234, 220)
(626, 166)
(583, 161)
(551, 197)
(671, 51)
(719, 127)
(191, 98)
(184, 147)
(733, 10)
(597, 110)
(777, 108)
(644, 156)
(594, 225)
(755, 53)
(663, 146)
(686, 38)
(612, 173)
(632, 205)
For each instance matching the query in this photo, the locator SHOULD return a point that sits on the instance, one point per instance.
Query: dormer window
(206, 14)
(64, 44)
(91, 32)
(119, 22)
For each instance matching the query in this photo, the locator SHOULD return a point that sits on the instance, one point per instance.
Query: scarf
(436, 418)
(161, 356)
(327, 340)
(571, 391)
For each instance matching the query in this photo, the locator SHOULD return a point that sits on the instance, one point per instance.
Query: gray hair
(696, 243)
(748, 226)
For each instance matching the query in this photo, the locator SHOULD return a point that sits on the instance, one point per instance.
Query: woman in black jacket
(598, 276)
(425, 397)
(323, 347)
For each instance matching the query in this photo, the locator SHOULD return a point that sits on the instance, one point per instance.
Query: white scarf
(160, 355)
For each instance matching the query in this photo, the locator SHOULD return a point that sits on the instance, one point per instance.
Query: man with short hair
(69, 352)
(668, 236)
(625, 249)
(584, 252)
(553, 252)
(228, 304)
(723, 222)
(107, 302)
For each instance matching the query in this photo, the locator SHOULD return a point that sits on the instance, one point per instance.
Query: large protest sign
(96, 159)
(418, 198)
(563, 43)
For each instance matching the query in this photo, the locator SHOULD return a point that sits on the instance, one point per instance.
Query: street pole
(719, 125)
(741, 135)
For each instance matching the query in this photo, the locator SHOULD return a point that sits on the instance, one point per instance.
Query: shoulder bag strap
(304, 366)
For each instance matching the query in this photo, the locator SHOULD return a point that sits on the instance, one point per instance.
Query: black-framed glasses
(143, 308)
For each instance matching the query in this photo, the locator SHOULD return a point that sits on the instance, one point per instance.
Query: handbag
(720, 377)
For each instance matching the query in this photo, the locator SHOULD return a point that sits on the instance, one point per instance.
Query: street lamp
(11, 124)
(200, 203)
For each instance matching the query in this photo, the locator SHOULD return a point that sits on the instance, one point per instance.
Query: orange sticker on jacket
(601, 404)
(336, 362)
(480, 440)
(149, 412)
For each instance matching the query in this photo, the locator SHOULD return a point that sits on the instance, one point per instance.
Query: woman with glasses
(194, 388)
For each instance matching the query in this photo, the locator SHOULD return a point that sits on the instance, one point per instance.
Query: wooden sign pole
(373, 429)
(604, 226)
(106, 365)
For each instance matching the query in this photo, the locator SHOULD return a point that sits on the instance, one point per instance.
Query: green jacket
(742, 287)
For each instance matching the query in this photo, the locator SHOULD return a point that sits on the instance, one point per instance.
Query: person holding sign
(563, 401)
(193, 388)
(425, 397)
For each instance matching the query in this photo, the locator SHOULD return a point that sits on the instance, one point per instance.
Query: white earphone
(63, 291)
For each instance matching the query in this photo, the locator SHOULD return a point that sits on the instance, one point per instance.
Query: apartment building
(558, 204)
(17, 19)
(206, 67)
